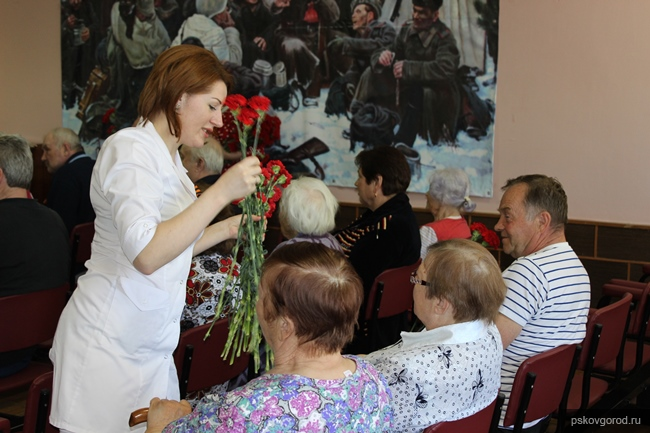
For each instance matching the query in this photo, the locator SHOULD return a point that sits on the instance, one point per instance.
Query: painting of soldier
(342, 75)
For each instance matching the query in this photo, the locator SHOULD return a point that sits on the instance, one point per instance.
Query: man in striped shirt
(548, 293)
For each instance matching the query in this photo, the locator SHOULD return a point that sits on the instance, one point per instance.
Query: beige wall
(573, 97)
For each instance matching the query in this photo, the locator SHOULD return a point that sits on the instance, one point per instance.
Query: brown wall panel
(623, 243)
(423, 217)
(346, 215)
(600, 272)
(489, 221)
(582, 238)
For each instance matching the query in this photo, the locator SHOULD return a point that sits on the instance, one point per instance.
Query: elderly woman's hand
(233, 222)
(162, 412)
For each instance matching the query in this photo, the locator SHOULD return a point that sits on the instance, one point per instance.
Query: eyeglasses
(415, 280)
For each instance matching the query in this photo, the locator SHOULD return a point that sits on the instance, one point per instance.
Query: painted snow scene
(342, 75)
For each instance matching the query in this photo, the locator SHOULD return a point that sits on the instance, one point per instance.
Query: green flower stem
(258, 128)
(244, 333)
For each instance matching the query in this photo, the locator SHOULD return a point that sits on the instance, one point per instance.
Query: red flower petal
(260, 103)
(234, 102)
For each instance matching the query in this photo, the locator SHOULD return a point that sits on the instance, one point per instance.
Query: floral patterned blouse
(290, 403)
(205, 282)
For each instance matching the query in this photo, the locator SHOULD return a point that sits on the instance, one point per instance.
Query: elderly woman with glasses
(451, 369)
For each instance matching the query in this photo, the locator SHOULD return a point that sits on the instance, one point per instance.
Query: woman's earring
(178, 106)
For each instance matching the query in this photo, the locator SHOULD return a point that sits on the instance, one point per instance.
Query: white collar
(458, 333)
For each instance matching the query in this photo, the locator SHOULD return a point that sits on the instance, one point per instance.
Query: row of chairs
(45, 305)
(198, 364)
(606, 351)
(529, 406)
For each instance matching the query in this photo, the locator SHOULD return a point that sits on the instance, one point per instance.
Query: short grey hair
(65, 135)
(211, 153)
(308, 207)
(544, 193)
(450, 186)
(16, 160)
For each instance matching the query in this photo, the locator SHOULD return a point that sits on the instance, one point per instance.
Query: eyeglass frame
(415, 280)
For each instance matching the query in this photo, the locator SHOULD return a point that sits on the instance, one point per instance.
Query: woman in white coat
(113, 346)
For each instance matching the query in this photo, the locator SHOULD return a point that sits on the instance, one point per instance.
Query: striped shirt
(548, 295)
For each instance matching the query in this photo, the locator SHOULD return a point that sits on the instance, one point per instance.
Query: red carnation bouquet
(244, 334)
(266, 133)
(484, 236)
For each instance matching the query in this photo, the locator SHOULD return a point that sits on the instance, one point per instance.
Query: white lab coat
(113, 347)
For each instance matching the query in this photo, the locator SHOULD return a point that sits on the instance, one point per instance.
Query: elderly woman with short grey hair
(447, 199)
(307, 212)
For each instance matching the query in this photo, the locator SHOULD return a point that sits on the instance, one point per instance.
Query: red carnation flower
(234, 102)
(271, 209)
(260, 103)
(247, 116)
(493, 239)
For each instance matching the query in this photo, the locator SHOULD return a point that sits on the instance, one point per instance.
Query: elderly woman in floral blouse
(309, 297)
(452, 368)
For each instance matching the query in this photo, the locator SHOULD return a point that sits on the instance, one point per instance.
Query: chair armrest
(627, 283)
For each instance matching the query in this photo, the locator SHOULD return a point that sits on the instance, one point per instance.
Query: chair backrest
(614, 319)
(391, 292)
(43, 309)
(81, 237)
(38, 406)
(5, 426)
(640, 294)
(550, 374)
(603, 344)
(199, 362)
(483, 421)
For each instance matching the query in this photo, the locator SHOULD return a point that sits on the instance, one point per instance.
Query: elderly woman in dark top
(386, 235)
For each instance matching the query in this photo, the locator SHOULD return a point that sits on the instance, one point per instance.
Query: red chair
(602, 345)
(199, 364)
(81, 238)
(541, 386)
(391, 295)
(484, 421)
(636, 353)
(198, 361)
(27, 320)
(37, 407)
